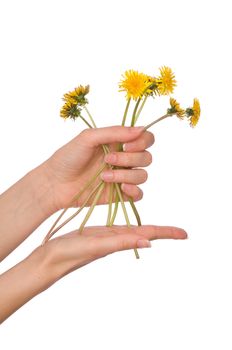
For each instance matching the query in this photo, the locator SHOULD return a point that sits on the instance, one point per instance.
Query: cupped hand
(75, 163)
(73, 250)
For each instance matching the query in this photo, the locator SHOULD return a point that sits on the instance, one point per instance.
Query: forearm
(24, 281)
(23, 208)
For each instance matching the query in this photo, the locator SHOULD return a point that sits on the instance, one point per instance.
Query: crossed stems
(114, 187)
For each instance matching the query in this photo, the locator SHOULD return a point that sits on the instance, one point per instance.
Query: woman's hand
(75, 163)
(51, 185)
(66, 253)
(73, 250)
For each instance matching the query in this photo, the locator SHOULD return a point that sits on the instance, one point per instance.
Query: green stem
(85, 121)
(110, 204)
(157, 120)
(126, 111)
(120, 149)
(90, 116)
(98, 195)
(72, 216)
(75, 198)
(141, 108)
(118, 189)
(134, 112)
(125, 213)
(106, 150)
(137, 216)
(115, 209)
(135, 211)
(94, 125)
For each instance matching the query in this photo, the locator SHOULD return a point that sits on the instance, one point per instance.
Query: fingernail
(128, 146)
(143, 243)
(110, 158)
(185, 234)
(125, 187)
(107, 175)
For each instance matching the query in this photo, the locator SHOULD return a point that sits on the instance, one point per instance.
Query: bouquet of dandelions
(138, 87)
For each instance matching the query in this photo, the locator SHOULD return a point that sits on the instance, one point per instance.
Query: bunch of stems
(114, 190)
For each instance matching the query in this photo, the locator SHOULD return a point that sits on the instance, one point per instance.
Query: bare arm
(23, 207)
(21, 283)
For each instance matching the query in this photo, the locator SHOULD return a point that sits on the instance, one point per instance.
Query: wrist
(24, 206)
(44, 270)
(42, 189)
(23, 282)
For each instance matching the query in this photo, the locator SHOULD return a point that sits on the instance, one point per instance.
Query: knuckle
(85, 133)
(125, 159)
(114, 175)
(91, 250)
(116, 157)
(124, 244)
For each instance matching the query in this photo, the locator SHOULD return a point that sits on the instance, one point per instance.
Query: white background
(178, 295)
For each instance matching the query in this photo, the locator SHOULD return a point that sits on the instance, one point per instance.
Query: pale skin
(48, 188)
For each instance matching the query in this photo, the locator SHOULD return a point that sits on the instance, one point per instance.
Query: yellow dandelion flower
(134, 83)
(77, 96)
(153, 88)
(175, 108)
(166, 81)
(70, 110)
(194, 112)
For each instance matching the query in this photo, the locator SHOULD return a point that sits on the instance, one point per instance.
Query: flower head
(175, 108)
(153, 87)
(70, 110)
(166, 81)
(194, 112)
(134, 83)
(77, 96)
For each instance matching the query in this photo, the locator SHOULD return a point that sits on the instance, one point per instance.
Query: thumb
(100, 136)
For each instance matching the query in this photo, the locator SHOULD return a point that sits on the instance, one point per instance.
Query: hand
(50, 186)
(75, 163)
(73, 250)
(64, 254)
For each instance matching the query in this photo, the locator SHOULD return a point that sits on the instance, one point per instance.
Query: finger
(145, 140)
(114, 243)
(152, 232)
(132, 191)
(98, 136)
(133, 176)
(124, 240)
(126, 159)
